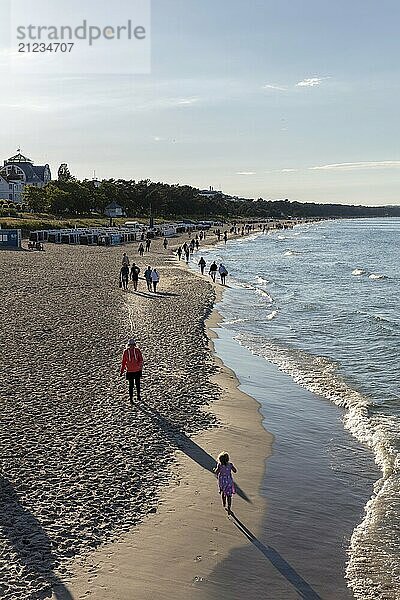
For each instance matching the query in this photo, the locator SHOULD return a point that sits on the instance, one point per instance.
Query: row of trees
(68, 196)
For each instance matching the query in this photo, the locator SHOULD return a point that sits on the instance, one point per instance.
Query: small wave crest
(234, 321)
(256, 290)
(377, 276)
(261, 280)
(357, 272)
(264, 294)
(272, 315)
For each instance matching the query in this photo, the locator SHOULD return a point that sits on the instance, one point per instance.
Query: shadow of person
(154, 295)
(30, 547)
(168, 294)
(188, 446)
(146, 294)
(285, 569)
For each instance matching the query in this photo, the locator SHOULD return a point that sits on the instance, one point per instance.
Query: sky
(276, 99)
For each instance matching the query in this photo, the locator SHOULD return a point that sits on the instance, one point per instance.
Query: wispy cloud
(308, 82)
(245, 173)
(184, 101)
(123, 101)
(282, 171)
(270, 86)
(311, 81)
(358, 166)
(44, 107)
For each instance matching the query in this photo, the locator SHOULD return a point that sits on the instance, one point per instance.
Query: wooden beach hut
(10, 238)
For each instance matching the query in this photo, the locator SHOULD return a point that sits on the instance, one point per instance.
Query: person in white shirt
(155, 278)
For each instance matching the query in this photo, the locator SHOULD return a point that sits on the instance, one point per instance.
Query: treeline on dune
(69, 196)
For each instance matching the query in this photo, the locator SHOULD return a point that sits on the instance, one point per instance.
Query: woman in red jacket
(132, 363)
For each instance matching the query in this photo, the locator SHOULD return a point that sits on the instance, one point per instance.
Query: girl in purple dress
(223, 471)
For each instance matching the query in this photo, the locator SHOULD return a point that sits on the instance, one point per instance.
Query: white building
(4, 189)
(114, 210)
(11, 190)
(19, 171)
(211, 193)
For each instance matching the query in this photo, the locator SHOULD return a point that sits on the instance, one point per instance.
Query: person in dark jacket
(124, 277)
(135, 276)
(213, 271)
(202, 265)
(147, 276)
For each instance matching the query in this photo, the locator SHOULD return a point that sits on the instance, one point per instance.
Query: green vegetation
(69, 202)
(31, 221)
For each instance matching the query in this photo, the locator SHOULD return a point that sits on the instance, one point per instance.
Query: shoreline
(194, 529)
(324, 437)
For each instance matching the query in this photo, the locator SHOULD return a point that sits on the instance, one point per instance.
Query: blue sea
(321, 301)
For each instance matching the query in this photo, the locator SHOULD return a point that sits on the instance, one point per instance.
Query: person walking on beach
(223, 273)
(202, 265)
(226, 486)
(147, 276)
(155, 278)
(124, 277)
(165, 243)
(141, 249)
(179, 252)
(225, 236)
(125, 260)
(135, 276)
(148, 244)
(132, 363)
(187, 254)
(213, 271)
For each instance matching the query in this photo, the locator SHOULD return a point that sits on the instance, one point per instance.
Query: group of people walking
(142, 248)
(214, 269)
(151, 276)
(132, 358)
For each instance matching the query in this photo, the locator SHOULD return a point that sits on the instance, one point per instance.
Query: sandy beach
(79, 466)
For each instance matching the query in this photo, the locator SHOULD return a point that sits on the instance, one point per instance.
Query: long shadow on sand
(30, 543)
(285, 569)
(155, 295)
(188, 446)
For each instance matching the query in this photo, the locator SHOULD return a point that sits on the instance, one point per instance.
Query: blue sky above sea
(286, 99)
